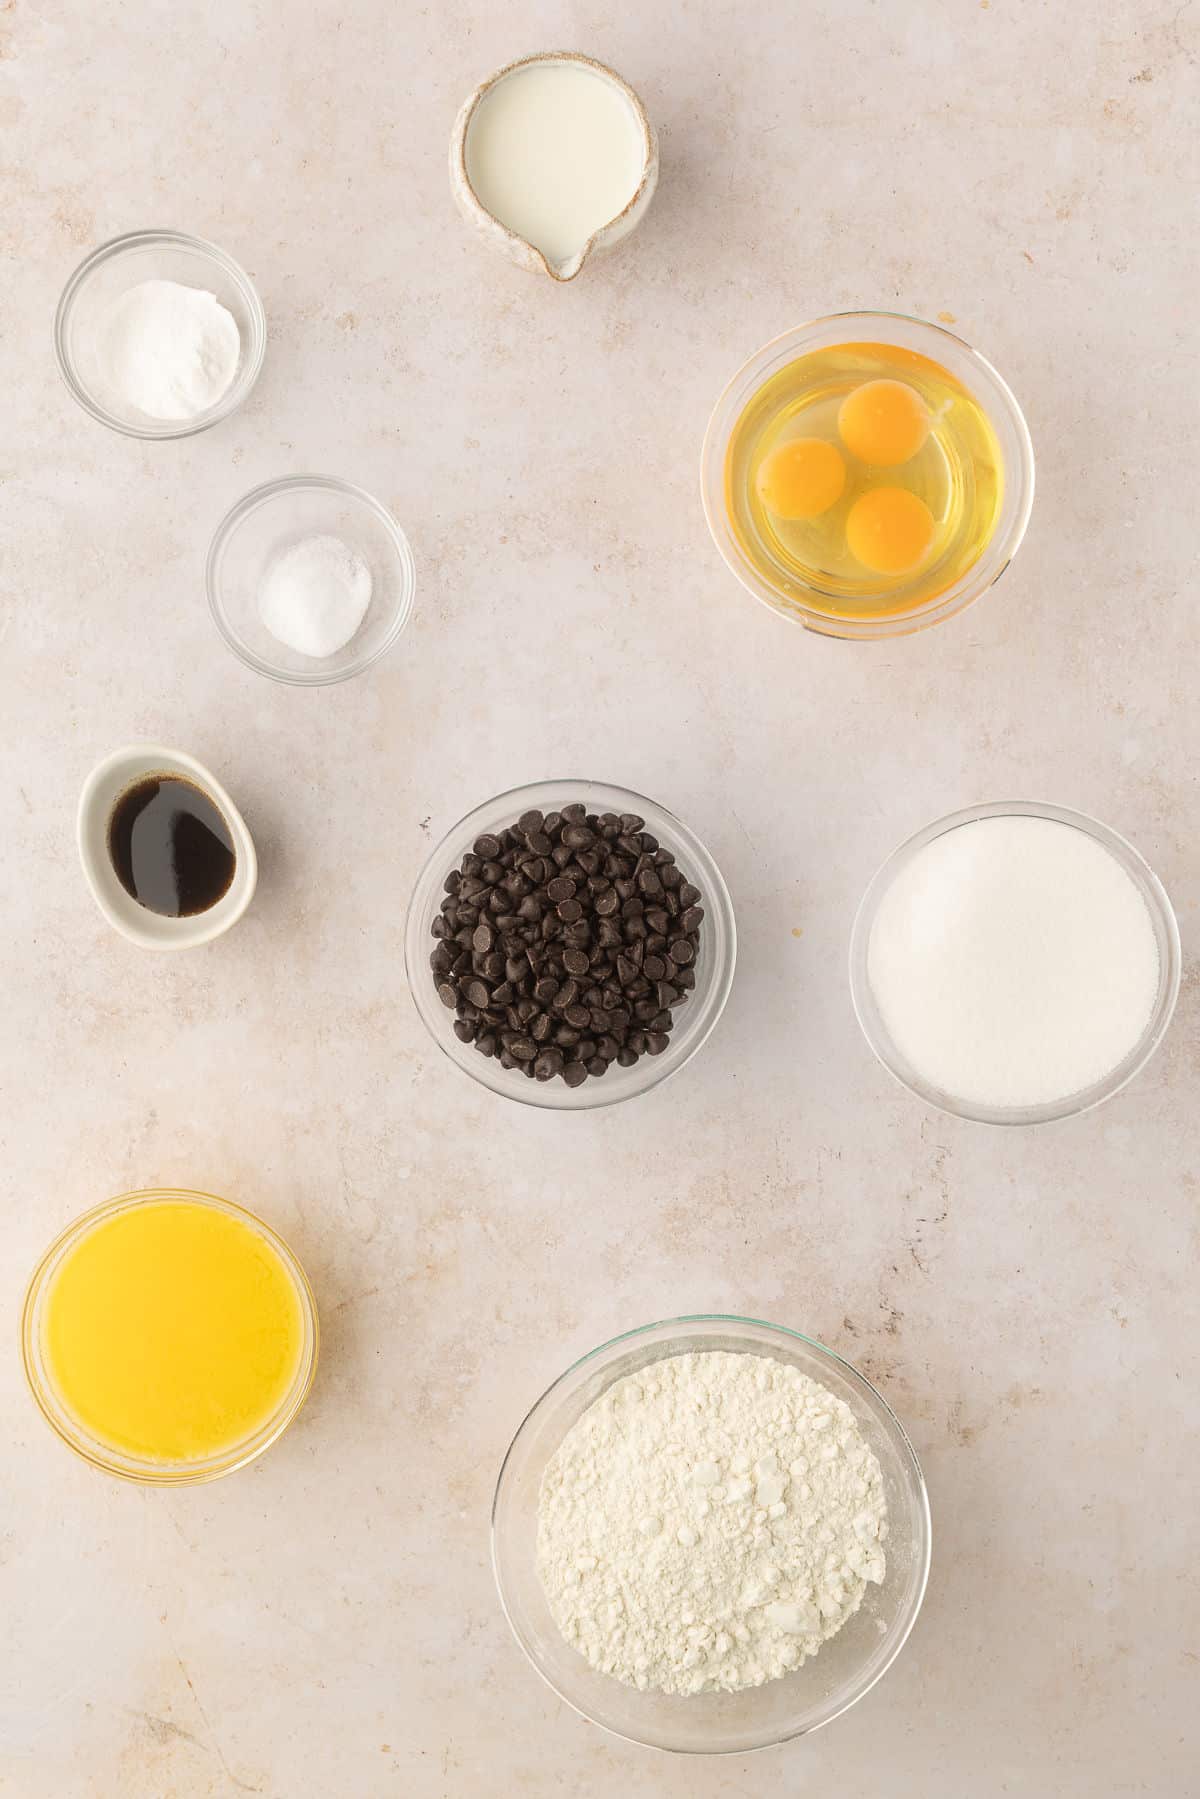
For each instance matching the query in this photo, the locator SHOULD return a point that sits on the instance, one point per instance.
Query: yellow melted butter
(172, 1331)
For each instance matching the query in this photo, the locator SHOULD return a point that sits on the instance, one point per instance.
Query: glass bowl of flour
(711, 1535)
(160, 335)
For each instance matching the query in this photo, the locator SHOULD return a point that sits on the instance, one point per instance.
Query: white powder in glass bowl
(169, 350)
(314, 596)
(708, 1523)
(1013, 961)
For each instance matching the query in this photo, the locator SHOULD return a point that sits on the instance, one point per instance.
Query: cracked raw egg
(889, 530)
(801, 478)
(883, 423)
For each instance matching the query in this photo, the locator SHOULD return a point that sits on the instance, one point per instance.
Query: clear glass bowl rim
(167, 1474)
(970, 586)
(262, 496)
(648, 1071)
(1071, 1105)
(682, 1326)
(239, 388)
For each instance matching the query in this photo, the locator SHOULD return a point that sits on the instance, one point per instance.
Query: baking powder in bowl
(1013, 961)
(708, 1523)
(168, 349)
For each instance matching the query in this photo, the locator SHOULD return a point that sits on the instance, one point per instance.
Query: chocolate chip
(563, 943)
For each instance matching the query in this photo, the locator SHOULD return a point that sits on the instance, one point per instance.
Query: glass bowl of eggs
(867, 475)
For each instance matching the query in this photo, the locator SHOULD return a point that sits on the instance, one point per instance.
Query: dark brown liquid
(170, 846)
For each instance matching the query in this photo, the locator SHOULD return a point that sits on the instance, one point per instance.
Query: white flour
(708, 1523)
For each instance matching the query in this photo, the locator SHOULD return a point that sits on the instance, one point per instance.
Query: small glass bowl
(124, 263)
(268, 521)
(1166, 934)
(846, 1667)
(139, 1468)
(968, 366)
(714, 962)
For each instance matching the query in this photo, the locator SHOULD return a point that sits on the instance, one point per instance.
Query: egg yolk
(801, 478)
(889, 530)
(883, 423)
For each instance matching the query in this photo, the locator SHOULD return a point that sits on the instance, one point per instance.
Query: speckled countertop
(324, 1624)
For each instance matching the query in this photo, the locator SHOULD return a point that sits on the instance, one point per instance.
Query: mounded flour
(708, 1523)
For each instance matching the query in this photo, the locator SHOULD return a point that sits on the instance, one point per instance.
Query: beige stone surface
(324, 1624)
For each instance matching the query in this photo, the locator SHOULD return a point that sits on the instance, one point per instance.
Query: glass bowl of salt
(310, 580)
(160, 335)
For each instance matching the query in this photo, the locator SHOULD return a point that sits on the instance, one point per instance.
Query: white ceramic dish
(151, 930)
(508, 242)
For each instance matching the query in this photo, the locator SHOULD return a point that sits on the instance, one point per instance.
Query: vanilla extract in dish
(170, 846)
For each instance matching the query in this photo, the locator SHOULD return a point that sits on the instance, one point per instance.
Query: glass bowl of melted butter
(196, 1290)
(867, 475)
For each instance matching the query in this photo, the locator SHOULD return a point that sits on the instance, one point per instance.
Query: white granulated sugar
(708, 1523)
(169, 350)
(314, 597)
(1013, 961)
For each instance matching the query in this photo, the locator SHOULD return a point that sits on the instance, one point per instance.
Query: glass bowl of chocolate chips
(570, 944)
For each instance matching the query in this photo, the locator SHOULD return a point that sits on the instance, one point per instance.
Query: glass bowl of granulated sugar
(160, 335)
(1015, 963)
(711, 1535)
